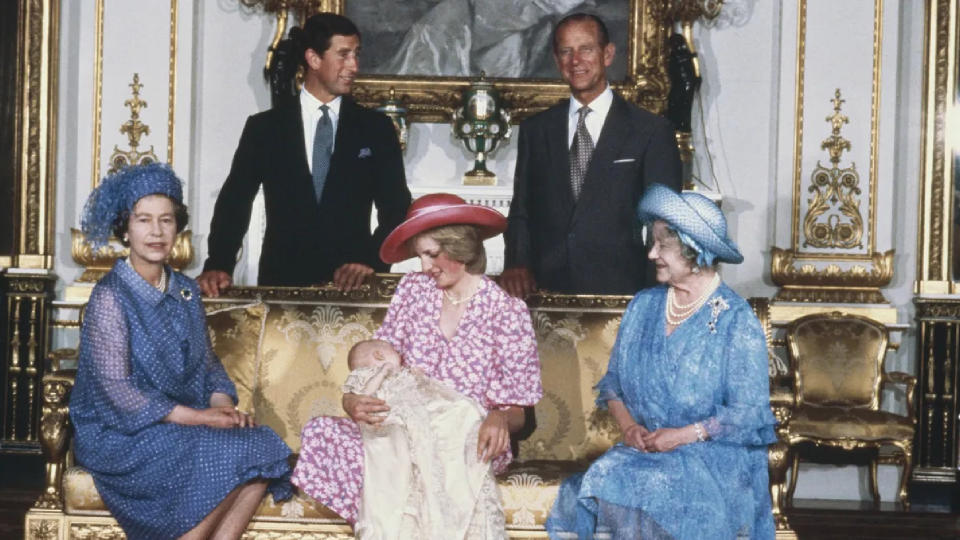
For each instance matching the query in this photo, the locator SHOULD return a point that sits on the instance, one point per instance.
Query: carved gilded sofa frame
(575, 335)
(837, 366)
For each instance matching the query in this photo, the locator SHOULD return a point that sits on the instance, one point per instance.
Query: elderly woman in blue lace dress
(687, 384)
(153, 409)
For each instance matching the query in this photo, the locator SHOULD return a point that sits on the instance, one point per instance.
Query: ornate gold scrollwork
(831, 187)
(99, 531)
(43, 529)
(133, 129)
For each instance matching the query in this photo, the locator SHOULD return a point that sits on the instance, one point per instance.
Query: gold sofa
(286, 350)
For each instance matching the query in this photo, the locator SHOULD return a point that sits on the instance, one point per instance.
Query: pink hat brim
(490, 222)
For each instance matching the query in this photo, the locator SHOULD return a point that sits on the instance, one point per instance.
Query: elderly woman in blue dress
(687, 384)
(153, 409)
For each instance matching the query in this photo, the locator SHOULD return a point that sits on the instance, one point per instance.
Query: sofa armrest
(55, 434)
(910, 384)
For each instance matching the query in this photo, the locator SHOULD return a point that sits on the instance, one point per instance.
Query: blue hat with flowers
(119, 193)
(697, 220)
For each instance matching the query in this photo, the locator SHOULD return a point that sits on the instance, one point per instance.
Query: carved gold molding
(133, 129)
(379, 288)
(798, 138)
(433, 99)
(172, 80)
(809, 283)
(845, 267)
(36, 129)
(834, 190)
(98, 89)
(937, 167)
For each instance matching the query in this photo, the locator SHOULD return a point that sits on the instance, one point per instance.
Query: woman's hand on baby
(494, 436)
(364, 408)
(633, 436)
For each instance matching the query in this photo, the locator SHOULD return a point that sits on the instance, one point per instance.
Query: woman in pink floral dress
(448, 320)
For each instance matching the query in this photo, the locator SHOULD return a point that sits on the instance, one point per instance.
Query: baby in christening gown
(421, 475)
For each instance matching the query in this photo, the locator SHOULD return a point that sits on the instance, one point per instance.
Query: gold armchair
(837, 364)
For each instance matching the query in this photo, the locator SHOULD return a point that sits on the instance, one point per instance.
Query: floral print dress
(491, 358)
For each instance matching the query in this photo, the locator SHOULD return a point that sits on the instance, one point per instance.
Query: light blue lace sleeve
(609, 388)
(744, 416)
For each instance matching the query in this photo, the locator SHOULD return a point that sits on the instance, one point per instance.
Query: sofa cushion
(304, 362)
(527, 490)
(236, 332)
(574, 350)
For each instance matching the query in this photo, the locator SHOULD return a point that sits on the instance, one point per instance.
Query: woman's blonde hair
(461, 243)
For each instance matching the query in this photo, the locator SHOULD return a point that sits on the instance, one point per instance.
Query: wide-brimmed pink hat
(436, 210)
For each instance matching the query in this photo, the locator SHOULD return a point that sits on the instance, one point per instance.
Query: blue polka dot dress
(142, 352)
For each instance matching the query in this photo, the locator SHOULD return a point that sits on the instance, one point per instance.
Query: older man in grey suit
(582, 167)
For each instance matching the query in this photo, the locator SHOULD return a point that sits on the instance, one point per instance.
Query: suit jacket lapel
(292, 127)
(347, 132)
(616, 130)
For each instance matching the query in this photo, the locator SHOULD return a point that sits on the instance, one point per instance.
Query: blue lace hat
(697, 220)
(119, 192)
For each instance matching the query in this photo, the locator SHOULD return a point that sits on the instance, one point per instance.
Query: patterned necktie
(322, 150)
(580, 153)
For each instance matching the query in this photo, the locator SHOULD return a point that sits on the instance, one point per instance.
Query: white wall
(745, 107)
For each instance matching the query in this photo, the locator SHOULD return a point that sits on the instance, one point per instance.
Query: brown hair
(461, 243)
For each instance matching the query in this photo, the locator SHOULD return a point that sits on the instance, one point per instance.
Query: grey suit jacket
(591, 245)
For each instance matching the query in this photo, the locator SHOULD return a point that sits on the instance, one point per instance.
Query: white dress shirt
(310, 113)
(599, 108)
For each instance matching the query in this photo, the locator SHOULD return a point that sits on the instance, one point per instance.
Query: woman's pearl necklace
(678, 313)
(457, 301)
(160, 285)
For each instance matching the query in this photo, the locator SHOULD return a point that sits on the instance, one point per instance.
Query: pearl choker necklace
(161, 285)
(457, 301)
(678, 313)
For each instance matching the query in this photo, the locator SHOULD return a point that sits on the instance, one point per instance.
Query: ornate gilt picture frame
(433, 98)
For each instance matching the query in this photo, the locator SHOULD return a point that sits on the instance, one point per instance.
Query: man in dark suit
(323, 161)
(582, 167)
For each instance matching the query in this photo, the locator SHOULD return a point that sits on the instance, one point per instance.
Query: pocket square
(365, 152)
(626, 160)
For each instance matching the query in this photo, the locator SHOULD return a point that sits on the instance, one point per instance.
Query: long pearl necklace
(678, 313)
(160, 285)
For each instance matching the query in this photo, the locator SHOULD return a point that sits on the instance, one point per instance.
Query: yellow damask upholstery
(235, 333)
(859, 424)
(304, 362)
(837, 363)
(528, 490)
(574, 351)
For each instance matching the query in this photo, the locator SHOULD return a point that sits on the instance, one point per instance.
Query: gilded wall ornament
(833, 217)
(133, 129)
